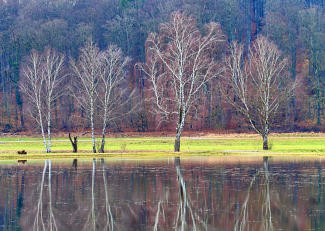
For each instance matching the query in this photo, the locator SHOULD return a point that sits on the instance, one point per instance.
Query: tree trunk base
(265, 144)
(101, 150)
(177, 145)
(74, 143)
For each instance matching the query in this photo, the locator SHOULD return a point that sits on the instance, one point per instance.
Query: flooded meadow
(196, 193)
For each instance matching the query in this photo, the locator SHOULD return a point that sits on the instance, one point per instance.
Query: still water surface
(219, 193)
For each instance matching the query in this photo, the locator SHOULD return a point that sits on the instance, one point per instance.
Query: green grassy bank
(154, 146)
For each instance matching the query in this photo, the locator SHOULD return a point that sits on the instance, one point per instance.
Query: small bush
(123, 147)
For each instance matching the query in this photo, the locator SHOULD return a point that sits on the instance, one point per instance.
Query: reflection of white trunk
(39, 214)
(110, 220)
(266, 208)
(52, 222)
(155, 228)
(241, 222)
(244, 213)
(92, 216)
(184, 205)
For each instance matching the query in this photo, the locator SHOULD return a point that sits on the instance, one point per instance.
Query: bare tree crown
(180, 61)
(259, 83)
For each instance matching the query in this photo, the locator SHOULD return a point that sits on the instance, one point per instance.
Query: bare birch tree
(53, 78)
(42, 75)
(110, 89)
(88, 70)
(100, 77)
(31, 85)
(179, 61)
(257, 85)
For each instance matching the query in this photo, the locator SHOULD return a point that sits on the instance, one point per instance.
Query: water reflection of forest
(175, 194)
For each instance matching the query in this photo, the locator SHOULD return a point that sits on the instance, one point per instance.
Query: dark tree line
(296, 26)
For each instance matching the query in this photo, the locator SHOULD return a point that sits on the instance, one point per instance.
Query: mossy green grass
(155, 147)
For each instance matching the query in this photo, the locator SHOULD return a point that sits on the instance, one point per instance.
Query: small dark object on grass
(23, 152)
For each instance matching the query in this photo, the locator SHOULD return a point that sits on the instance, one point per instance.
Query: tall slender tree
(179, 61)
(88, 70)
(110, 90)
(258, 84)
(100, 77)
(41, 83)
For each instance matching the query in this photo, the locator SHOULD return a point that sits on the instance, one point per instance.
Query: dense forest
(297, 27)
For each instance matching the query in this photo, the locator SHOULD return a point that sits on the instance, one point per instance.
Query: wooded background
(296, 26)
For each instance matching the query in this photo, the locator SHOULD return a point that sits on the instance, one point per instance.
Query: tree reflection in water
(109, 217)
(92, 223)
(39, 223)
(185, 204)
(242, 222)
(184, 194)
(266, 207)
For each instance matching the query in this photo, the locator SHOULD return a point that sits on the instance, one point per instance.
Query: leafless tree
(53, 78)
(88, 69)
(110, 89)
(256, 85)
(41, 80)
(179, 61)
(100, 76)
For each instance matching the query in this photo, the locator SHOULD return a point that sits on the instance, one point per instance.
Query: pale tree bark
(53, 78)
(31, 85)
(41, 84)
(110, 89)
(100, 78)
(87, 69)
(179, 61)
(258, 84)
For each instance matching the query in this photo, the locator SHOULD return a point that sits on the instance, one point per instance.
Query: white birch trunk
(92, 124)
(102, 147)
(49, 125)
(179, 61)
(42, 129)
(179, 130)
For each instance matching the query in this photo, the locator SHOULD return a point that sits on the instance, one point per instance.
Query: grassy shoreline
(297, 144)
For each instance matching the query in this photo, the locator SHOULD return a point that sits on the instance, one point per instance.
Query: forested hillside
(297, 27)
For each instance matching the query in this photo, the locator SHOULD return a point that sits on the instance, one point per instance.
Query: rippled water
(221, 193)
